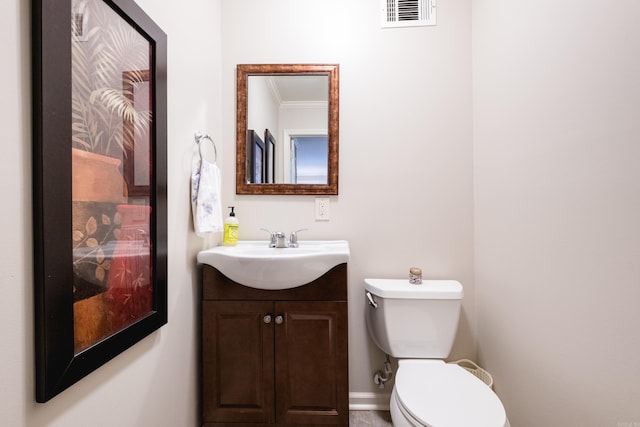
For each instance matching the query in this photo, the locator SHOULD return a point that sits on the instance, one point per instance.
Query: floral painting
(110, 237)
(100, 136)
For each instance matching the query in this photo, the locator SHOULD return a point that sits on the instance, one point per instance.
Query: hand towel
(205, 197)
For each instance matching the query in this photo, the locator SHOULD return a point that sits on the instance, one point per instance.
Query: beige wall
(542, 154)
(557, 208)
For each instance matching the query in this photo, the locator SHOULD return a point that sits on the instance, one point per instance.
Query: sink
(254, 264)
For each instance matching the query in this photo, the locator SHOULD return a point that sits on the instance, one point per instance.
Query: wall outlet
(322, 209)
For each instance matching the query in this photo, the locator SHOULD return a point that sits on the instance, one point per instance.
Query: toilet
(417, 325)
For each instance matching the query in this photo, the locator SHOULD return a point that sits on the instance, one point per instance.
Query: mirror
(287, 129)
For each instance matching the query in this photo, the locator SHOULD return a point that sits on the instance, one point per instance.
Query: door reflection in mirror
(309, 159)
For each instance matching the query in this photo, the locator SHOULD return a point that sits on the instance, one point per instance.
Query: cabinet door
(312, 363)
(237, 362)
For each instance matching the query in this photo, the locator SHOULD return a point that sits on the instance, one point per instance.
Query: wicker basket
(476, 370)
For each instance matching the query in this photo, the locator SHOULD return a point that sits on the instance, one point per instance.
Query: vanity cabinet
(275, 358)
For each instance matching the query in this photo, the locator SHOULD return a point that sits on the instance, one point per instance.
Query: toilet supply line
(380, 378)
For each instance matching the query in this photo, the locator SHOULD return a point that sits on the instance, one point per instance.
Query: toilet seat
(437, 394)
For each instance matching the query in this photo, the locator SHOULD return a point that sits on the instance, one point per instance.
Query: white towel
(205, 197)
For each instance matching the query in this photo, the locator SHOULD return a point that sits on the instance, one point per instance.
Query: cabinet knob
(279, 319)
(267, 318)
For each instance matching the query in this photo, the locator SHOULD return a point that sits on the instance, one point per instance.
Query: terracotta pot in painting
(96, 178)
(91, 323)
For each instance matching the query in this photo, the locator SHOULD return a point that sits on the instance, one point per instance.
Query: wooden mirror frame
(246, 70)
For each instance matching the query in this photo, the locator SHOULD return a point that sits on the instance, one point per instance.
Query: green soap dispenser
(230, 237)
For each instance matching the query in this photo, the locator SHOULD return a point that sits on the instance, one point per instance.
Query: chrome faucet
(277, 239)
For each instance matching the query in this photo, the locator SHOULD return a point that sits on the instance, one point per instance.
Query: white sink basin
(254, 264)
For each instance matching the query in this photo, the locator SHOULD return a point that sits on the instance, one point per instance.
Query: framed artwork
(100, 184)
(257, 158)
(270, 162)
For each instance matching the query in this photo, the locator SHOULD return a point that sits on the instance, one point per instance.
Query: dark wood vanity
(275, 357)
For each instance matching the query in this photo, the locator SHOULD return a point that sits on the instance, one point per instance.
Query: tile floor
(369, 419)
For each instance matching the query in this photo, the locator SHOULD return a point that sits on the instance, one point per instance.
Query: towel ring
(199, 137)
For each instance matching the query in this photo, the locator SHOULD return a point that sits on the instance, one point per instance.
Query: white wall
(556, 103)
(153, 383)
(557, 208)
(405, 145)
(262, 108)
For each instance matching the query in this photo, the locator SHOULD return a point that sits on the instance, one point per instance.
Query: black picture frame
(256, 158)
(270, 161)
(59, 361)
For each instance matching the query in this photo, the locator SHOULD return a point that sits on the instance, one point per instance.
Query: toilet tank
(413, 321)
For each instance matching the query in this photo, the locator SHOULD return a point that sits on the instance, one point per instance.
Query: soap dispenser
(230, 237)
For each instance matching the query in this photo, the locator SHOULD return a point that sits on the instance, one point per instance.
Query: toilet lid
(446, 395)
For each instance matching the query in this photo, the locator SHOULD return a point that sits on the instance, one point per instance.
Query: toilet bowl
(437, 394)
(417, 325)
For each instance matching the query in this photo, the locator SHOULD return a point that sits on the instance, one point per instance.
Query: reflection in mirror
(291, 107)
(287, 129)
(308, 159)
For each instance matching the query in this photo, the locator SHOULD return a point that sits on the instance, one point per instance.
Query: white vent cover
(407, 13)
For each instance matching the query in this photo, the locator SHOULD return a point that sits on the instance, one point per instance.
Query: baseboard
(369, 401)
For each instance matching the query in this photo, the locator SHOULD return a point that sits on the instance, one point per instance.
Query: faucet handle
(293, 239)
(272, 234)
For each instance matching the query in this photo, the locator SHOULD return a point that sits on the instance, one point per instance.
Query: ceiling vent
(407, 13)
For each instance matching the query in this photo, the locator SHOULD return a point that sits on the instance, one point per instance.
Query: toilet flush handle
(371, 301)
